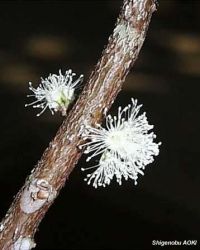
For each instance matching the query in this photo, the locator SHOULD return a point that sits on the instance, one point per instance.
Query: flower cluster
(126, 146)
(55, 92)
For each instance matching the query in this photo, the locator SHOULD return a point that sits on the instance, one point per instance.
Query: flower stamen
(55, 92)
(125, 146)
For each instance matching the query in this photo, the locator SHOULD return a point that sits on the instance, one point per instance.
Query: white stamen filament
(55, 92)
(125, 146)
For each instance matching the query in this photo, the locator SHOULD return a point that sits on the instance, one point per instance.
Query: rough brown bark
(43, 185)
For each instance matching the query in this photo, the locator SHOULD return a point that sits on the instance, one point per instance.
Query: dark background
(41, 37)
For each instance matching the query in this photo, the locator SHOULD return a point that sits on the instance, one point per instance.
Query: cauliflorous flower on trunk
(126, 146)
(55, 92)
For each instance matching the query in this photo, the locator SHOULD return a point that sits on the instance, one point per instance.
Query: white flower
(125, 146)
(55, 92)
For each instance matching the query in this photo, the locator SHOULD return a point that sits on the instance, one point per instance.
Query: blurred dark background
(38, 38)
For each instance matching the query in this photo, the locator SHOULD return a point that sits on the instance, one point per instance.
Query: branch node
(35, 195)
(24, 243)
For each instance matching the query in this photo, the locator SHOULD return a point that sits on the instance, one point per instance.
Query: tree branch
(43, 185)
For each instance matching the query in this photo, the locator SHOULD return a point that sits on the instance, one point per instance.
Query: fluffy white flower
(125, 146)
(55, 92)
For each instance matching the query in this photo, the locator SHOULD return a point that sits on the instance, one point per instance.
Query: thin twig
(43, 185)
